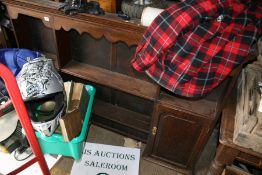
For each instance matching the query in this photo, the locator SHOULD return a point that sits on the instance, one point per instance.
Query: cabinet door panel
(175, 138)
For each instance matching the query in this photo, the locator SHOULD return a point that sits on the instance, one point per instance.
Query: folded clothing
(192, 46)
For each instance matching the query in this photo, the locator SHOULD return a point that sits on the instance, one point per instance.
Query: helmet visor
(46, 109)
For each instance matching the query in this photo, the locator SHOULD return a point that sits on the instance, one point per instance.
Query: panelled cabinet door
(174, 137)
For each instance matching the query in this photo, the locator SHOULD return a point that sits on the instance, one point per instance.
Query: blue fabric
(15, 58)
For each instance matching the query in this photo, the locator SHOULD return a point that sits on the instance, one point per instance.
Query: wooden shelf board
(112, 79)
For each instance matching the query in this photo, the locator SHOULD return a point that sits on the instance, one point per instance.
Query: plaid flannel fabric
(192, 46)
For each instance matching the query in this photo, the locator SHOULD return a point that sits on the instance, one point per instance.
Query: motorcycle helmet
(42, 90)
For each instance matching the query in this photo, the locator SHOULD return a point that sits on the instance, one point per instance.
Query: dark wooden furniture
(180, 128)
(98, 50)
(3, 39)
(7, 38)
(232, 170)
(227, 151)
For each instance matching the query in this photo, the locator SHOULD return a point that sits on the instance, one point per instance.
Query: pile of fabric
(192, 46)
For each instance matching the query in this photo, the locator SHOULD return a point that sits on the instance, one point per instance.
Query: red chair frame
(18, 103)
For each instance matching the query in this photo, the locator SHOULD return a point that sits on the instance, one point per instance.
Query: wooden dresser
(98, 50)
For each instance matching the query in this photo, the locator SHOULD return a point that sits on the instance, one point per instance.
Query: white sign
(99, 159)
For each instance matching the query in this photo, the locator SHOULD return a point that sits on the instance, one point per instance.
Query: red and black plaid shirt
(192, 46)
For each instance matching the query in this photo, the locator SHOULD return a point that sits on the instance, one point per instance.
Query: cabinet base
(177, 168)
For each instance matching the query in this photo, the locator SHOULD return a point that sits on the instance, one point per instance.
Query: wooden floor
(103, 136)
